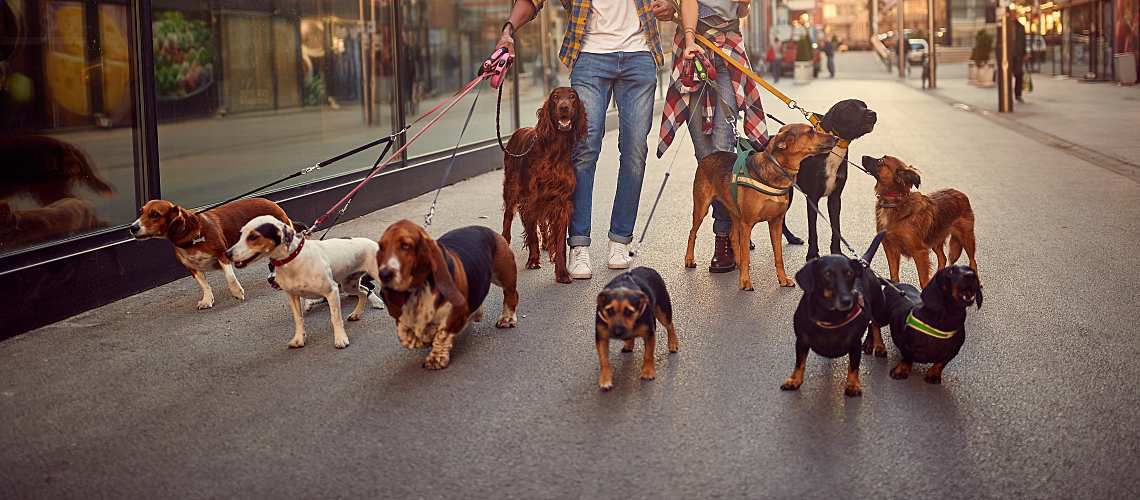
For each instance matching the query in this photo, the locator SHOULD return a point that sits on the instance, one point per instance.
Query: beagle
(201, 239)
(434, 288)
(309, 269)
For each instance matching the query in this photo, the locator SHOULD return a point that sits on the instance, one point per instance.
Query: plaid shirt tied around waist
(578, 22)
(682, 88)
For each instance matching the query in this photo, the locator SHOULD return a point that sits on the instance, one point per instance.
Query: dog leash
(451, 161)
(397, 154)
(849, 162)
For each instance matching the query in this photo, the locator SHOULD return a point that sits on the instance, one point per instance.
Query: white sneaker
(579, 266)
(619, 256)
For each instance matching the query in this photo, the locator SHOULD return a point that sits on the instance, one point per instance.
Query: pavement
(148, 397)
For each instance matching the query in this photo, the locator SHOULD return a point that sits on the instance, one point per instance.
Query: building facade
(849, 21)
(105, 104)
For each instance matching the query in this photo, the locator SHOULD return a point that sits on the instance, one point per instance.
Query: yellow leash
(811, 117)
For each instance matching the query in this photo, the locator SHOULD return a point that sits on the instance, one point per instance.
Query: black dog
(931, 327)
(825, 175)
(627, 307)
(840, 298)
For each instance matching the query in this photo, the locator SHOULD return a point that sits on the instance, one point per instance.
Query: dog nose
(386, 275)
(230, 255)
(845, 303)
(134, 229)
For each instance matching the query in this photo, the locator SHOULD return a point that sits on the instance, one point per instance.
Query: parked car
(917, 51)
(788, 58)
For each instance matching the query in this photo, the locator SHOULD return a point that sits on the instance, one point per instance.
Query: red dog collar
(286, 260)
(855, 312)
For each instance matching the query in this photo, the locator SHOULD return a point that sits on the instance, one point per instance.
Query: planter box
(985, 75)
(1126, 68)
(803, 72)
(972, 73)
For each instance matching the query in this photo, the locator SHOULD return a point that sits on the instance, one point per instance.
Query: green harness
(742, 177)
(922, 327)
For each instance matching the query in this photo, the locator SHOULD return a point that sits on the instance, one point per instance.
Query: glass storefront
(67, 164)
(241, 92)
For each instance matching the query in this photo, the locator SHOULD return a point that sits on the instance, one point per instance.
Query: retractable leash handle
(497, 65)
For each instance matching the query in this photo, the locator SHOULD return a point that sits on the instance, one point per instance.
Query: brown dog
(201, 239)
(917, 223)
(62, 218)
(46, 169)
(777, 167)
(433, 288)
(539, 184)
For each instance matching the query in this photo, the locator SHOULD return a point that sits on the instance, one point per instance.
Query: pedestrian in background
(711, 110)
(829, 51)
(612, 48)
(1016, 35)
(773, 60)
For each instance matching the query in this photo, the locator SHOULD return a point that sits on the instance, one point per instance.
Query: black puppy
(825, 175)
(627, 307)
(931, 327)
(840, 297)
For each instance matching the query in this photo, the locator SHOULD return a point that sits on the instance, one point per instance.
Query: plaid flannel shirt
(579, 20)
(677, 101)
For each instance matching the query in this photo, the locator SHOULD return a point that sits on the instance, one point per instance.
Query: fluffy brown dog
(62, 218)
(539, 184)
(917, 223)
(777, 166)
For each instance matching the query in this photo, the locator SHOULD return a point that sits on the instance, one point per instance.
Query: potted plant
(803, 68)
(982, 70)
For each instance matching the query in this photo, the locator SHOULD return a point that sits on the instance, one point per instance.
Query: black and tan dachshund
(824, 175)
(840, 298)
(930, 327)
(629, 307)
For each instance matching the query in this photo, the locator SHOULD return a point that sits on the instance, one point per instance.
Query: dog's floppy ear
(910, 176)
(933, 297)
(177, 224)
(642, 303)
(806, 276)
(978, 297)
(287, 234)
(431, 251)
(545, 126)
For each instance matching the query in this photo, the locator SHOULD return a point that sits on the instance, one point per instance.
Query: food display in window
(183, 55)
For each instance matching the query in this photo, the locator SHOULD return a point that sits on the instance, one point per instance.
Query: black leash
(375, 166)
(849, 162)
(319, 165)
(451, 161)
(499, 133)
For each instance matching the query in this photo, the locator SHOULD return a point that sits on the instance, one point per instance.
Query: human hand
(663, 10)
(691, 50)
(506, 40)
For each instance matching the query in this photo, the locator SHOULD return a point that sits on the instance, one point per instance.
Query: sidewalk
(1099, 119)
(148, 397)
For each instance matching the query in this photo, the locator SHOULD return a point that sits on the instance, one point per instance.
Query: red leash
(445, 105)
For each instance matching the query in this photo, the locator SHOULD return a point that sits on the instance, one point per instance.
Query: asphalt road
(148, 397)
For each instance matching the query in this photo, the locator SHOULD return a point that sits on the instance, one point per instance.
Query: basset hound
(434, 288)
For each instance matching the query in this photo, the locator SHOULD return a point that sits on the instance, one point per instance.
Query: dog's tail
(870, 254)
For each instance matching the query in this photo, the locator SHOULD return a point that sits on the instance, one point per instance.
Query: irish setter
(539, 185)
(917, 223)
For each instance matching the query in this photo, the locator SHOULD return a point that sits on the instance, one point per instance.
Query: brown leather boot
(723, 259)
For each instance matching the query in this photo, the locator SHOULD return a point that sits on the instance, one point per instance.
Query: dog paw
(564, 278)
(205, 304)
(880, 352)
(790, 385)
(507, 321)
(673, 347)
(478, 316)
(533, 264)
(751, 245)
(606, 386)
(648, 374)
(787, 283)
(297, 342)
(792, 240)
(354, 316)
(900, 372)
(237, 293)
(341, 343)
(436, 361)
(933, 379)
(690, 264)
(853, 391)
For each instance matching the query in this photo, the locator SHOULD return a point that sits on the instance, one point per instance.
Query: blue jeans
(723, 137)
(631, 79)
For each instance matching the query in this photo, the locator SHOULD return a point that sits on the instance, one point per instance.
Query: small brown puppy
(627, 308)
(917, 223)
(776, 167)
(62, 218)
(434, 288)
(201, 239)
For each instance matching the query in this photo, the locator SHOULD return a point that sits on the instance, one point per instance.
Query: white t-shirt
(614, 26)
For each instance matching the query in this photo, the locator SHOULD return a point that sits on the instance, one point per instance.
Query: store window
(66, 142)
(250, 91)
(443, 42)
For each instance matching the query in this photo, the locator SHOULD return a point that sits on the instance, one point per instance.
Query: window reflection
(65, 116)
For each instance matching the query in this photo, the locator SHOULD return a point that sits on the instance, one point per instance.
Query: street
(148, 397)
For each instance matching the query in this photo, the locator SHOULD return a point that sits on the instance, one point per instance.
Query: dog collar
(200, 238)
(293, 255)
(884, 200)
(855, 312)
(918, 325)
(839, 141)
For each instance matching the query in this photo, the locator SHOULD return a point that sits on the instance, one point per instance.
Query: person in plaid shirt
(612, 48)
(699, 105)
